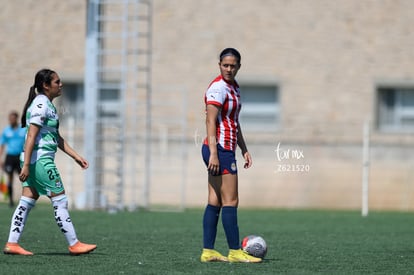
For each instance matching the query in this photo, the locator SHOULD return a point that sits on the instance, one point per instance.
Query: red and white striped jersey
(227, 97)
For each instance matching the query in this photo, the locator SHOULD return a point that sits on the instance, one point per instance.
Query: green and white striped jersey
(43, 114)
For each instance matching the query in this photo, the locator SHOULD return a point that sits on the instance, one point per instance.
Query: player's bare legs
(214, 190)
(229, 190)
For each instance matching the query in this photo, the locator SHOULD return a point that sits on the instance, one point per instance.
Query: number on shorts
(53, 173)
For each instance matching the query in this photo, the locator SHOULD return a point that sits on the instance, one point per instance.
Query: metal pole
(365, 168)
(148, 125)
(91, 91)
(69, 167)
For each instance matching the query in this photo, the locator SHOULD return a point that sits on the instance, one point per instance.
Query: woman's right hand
(213, 165)
(24, 174)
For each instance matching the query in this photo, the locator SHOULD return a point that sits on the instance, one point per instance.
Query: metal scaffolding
(117, 93)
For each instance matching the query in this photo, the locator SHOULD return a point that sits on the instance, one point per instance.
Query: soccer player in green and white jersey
(39, 174)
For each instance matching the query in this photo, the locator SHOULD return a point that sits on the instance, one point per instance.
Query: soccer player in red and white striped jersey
(225, 96)
(223, 105)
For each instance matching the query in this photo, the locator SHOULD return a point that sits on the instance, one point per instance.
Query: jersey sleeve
(215, 96)
(38, 112)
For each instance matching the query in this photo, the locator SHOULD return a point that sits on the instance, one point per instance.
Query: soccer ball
(254, 245)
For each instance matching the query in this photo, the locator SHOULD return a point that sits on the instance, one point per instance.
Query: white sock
(19, 218)
(60, 207)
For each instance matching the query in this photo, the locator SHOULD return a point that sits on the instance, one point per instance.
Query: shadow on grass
(67, 254)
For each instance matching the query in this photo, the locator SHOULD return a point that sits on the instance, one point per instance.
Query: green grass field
(299, 242)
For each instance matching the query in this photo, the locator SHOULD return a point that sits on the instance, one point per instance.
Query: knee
(230, 199)
(231, 202)
(60, 201)
(27, 192)
(214, 202)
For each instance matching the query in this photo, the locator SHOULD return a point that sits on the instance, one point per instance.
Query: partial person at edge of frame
(11, 142)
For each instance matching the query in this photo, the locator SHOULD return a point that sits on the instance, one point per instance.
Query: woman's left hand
(82, 162)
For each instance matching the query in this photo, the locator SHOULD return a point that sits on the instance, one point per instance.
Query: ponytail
(42, 77)
(30, 98)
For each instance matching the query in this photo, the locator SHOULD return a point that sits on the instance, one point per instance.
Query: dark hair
(44, 76)
(232, 52)
(14, 113)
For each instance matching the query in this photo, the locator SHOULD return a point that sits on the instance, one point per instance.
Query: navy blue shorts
(227, 159)
(12, 164)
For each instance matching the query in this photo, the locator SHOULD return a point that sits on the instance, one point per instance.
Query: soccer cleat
(81, 248)
(16, 249)
(239, 256)
(211, 255)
